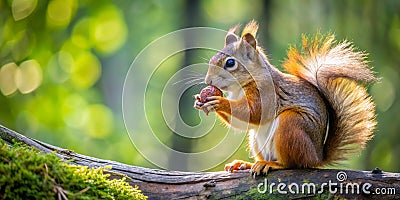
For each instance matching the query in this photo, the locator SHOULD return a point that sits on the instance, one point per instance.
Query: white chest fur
(261, 138)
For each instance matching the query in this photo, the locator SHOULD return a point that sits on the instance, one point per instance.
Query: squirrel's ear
(230, 38)
(249, 38)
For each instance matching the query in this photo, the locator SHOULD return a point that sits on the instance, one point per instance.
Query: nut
(208, 92)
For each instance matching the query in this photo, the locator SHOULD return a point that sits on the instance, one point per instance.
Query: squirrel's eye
(230, 63)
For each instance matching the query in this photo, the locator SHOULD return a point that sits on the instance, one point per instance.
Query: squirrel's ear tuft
(249, 38)
(251, 27)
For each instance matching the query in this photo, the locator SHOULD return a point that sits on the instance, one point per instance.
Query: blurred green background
(63, 64)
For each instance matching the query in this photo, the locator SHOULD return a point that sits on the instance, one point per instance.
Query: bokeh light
(97, 120)
(60, 66)
(107, 30)
(7, 78)
(22, 8)
(28, 77)
(60, 12)
(85, 71)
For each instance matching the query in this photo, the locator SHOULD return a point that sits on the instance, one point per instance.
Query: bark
(162, 184)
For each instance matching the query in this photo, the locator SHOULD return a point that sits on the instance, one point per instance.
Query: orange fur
(246, 109)
(293, 145)
(337, 71)
(322, 111)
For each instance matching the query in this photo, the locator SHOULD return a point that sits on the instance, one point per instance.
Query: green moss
(26, 173)
(255, 194)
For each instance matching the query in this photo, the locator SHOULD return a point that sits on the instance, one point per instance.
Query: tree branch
(162, 184)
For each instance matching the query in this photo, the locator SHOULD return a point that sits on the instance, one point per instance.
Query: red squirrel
(315, 115)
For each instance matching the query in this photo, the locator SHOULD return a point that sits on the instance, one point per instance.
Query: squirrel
(316, 114)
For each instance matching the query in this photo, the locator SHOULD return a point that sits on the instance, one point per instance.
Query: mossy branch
(161, 184)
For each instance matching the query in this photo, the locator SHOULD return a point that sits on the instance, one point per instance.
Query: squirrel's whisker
(189, 80)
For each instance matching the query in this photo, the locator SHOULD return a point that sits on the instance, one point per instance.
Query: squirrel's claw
(197, 103)
(199, 106)
(262, 167)
(259, 168)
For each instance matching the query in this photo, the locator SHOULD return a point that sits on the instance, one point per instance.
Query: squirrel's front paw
(237, 165)
(212, 104)
(200, 105)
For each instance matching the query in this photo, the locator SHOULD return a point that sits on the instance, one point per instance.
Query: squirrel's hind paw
(263, 167)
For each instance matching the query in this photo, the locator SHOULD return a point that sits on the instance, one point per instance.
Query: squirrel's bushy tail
(338, 72)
